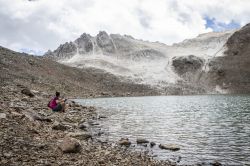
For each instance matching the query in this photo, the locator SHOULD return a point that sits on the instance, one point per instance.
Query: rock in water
(27, 92)
(216, 163)
(141, 141)
(169, 147)
(124, 142)
(70, 145)
(152, 144)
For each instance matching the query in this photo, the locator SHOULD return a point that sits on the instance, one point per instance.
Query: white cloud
(44, 24)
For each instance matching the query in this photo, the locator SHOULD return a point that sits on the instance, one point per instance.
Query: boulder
(152, 144)
(27, 92)
(187, 64)
(141, 141)
(70, 145)
(171, 147)
(2, 116)
(124, 142)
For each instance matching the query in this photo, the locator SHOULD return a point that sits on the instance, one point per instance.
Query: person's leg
(63, 107)
(58, 108)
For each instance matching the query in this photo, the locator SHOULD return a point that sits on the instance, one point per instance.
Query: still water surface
(207, 128)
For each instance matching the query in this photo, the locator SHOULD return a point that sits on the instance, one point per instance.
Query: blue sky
(220, 26)
(39, 25)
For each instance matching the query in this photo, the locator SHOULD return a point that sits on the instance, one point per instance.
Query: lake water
(206, 128)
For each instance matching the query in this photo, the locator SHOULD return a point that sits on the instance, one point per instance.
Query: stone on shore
(124, 142)
(80, 135)
(83, 126)
(58, 126)
(32, 116)
(141, 141)
(27, 92)
(171, 147)
(70, 145)
(2, 116)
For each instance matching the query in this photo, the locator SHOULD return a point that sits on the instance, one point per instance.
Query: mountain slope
(231, 72)
(44, 74)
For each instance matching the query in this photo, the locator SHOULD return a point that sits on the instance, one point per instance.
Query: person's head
(57, 94)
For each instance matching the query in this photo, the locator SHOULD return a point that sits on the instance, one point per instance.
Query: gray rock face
(146, 54)
(105, 42)
(66, 50)
(187, 64)
(84, 43)
(239, 42)
(231, 72)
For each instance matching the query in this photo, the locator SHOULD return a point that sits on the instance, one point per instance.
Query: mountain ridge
(144, 62)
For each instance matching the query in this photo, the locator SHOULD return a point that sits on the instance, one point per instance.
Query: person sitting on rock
(57, 104)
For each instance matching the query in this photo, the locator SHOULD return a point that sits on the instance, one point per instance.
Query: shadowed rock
(171, 147)
(27, 92)
(187, 64)
(141, 141)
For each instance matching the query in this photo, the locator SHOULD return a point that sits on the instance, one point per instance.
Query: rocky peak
(105, 42)
(66, 50)
(84, 43)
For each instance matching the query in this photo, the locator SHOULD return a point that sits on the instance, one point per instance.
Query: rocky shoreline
(32, 135)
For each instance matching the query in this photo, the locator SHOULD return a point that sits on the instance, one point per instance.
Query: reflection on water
(207, 128)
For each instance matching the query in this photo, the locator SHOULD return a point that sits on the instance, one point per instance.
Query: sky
(34, 26)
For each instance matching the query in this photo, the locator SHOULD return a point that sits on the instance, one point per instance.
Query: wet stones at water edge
(83, 126)
(152, 144)
(70, 145)
(171, 147)
(141, 141)
(80, 135)
(216, 163)
(124, 142)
